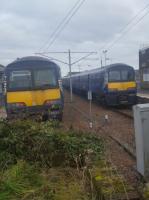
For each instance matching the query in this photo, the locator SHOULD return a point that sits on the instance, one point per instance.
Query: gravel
(76, 115)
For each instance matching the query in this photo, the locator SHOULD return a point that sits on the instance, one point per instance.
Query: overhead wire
(65, 24)
(137, 22)
(134, 17)
(127, 27)
(62, 24)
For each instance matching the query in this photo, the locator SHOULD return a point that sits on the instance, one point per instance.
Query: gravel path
(76, 115)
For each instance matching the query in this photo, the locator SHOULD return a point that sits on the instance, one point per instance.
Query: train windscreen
(121, 75)
(19, 79)
(45, 77)
(30, 79)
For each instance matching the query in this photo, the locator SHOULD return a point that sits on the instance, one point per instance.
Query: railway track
(117, 133)
(129, 112)
(125, 112)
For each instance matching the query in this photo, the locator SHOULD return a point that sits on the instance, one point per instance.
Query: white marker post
(90, 108)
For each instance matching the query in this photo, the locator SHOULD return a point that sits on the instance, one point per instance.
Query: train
(112, 85)
(32, 88)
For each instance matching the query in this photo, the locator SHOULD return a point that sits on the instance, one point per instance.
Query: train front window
(127, 75)
(20, 79)
(121, 75)
(45, 78)
(114, 76)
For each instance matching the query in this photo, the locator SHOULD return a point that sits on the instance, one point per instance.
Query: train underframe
(112, 98)
(37, 112)
(120, 98)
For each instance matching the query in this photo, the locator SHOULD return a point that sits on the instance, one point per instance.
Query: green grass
(22, 181)
(44, 144)
(34, 154)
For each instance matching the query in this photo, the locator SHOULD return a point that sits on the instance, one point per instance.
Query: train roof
(96, 70)
(31, 59)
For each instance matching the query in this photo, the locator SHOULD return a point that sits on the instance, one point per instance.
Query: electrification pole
(105, 54)
(70, 73)
(70, 63)
(101, 61)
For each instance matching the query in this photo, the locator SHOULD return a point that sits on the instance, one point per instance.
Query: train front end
(121, 88)
(32, 89)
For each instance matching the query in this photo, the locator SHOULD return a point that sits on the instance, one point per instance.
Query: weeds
(45, 145)
(28, 149)
(21, 182)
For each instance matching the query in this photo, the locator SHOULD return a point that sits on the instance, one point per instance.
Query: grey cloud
(26, 26)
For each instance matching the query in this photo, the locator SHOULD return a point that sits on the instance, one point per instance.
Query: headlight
(131, 88)
(16, 105)
(54, 104)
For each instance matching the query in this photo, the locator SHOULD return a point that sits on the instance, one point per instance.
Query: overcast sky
(25, 26)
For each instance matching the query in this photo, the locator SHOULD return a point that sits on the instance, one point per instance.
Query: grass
(44, 144)
(40, 161)
(22, 181)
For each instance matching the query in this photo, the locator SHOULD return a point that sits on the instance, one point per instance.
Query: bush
(44, 144)
(29, 150)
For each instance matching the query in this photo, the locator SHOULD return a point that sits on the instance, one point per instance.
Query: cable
(61, 23)
(63, 26)
(133, 18)
(126, 27)
(137, 22)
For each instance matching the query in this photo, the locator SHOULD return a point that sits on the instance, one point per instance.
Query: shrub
(45, 144)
